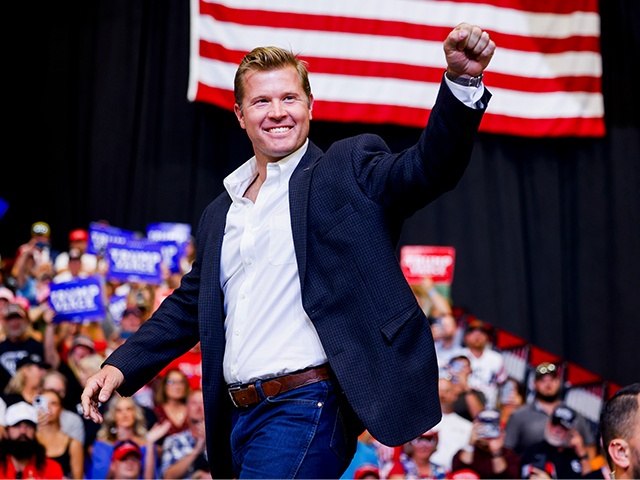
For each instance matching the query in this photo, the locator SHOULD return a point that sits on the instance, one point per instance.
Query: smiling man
(309, 330)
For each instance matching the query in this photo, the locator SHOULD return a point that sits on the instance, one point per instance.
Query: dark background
(547, 231)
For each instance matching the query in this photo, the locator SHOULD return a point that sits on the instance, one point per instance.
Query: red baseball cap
(79, 235)
(124, 448)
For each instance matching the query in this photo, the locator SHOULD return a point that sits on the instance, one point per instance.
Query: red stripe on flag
(363, 26)
(553, 127)
(217, 96)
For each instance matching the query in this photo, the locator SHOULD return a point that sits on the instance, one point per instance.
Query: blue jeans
(297, 434)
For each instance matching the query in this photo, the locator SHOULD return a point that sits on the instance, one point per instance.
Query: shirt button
(244, 295)
(233, 369)
(249, 262)
(237, 332)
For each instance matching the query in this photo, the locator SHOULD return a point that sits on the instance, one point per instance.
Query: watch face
(465, 82)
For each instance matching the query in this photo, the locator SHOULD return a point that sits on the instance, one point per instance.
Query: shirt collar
(237, 182)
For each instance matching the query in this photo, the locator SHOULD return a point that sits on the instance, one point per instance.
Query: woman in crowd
(416, 461)
(171, 400)
(25, 384)
(68, 452)
(124, 420)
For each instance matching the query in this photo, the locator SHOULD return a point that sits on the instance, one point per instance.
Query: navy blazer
(347, 209)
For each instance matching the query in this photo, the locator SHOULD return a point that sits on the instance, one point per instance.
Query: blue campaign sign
(135, 262)
(102, 235)
(4, 206)
(77, 300)
(171, 256)
(170, 232)
(117, 306)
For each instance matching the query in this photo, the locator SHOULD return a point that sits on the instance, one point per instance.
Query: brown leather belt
(246, 395)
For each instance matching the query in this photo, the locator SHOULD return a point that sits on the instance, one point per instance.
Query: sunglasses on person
(171, 381)
(430, 440)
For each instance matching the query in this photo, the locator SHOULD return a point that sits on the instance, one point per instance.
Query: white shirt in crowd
(454, 433)
(487, 372)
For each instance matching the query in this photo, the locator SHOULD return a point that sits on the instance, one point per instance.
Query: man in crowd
(469, 401)
(131, 321)
(74, 269)
(18, 343)
(487, 365)
(485, 454)
(620, 430)
(126, 462)
(184, 453)
(21, 455)
(454, 432)
(526, 425)
(561, 454)
(276, 294)
(38, 247)
(78, 241)
(6, 298)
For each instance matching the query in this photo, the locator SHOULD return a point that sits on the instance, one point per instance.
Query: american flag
(381, 61)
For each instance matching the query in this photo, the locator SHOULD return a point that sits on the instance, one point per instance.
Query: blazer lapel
(298, 201)
(210, 275)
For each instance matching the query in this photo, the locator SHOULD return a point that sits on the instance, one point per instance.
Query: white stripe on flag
(437, 13)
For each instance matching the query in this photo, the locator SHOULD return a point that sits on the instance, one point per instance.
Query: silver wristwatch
(465, 82)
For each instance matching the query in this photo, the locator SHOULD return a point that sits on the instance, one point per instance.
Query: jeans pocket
(342, 443)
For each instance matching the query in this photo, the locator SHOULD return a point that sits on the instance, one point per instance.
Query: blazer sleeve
(171, 331)
(409, 180)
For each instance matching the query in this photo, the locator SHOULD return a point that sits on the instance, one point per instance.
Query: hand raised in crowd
(201, 443)
(99, 389)
(468, 50)
(514, 399)
(48, 314)
(158, 431)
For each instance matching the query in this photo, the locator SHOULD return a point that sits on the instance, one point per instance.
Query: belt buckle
(231, 391)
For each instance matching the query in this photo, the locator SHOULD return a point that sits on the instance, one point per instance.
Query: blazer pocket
(392, 327)
(333, 220)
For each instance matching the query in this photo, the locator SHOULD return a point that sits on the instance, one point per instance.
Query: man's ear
(239, 116)
(310, 106)
(619, 451)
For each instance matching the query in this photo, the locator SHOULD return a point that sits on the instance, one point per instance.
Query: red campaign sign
(419, 261)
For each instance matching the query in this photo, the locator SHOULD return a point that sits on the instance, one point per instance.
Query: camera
(489, 426)
(41, 403)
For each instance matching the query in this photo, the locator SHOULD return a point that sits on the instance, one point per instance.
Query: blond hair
(17, 383)
(108, 432)
(263, 59)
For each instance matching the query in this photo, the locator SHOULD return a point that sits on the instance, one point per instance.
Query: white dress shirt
(267, 331)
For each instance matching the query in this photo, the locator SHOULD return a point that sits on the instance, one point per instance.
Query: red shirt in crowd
(52, 469)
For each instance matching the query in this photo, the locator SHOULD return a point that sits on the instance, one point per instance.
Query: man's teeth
(279, 129)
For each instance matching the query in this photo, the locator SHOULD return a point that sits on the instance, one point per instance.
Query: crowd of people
(492, 426)
(45, 363)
